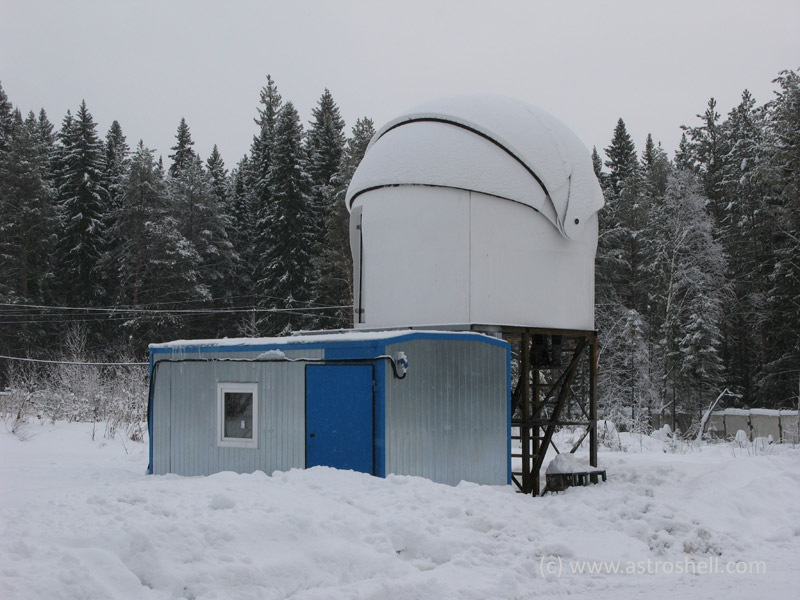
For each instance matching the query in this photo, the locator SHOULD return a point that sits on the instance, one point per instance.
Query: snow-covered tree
(704, 154)
(780, 160)
(28, 222)
(155, 263)
(325, 145)
(597, 165)
(6, 120)
(183, 153)
(286, 229)
(219, 176)
(116, 156)
(114, 171)
(260, 161)
(655, 168)
(203, 223)
(621, 161)
(325, 149)
(690, 268)
(242, 231)
(83, 206)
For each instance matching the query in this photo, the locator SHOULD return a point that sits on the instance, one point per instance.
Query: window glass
(238, 415)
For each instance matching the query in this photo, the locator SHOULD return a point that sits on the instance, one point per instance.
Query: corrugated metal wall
(185, 414)
(448, 419)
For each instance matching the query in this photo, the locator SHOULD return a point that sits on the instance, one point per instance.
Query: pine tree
(745, 233)
(155, 263)
(219, 176)
(114, 170)
(203, 223)
(780, 157)
(621, 159)
(597, 165)
(184, 154)
(47, 139)
(325, 147)
(286, 230)
(261, 148)
(27, 231)
(27, 214)
(706, 152)
(82, 200)
(655, 168)
(44, 129)
(684, 160)
(116, 155)
(252, 206)
(242, 232)
(6, 120)
(616, 261)
(325, 150)
(27, 225)
(624, 277)
(229, 291)
(690, 289)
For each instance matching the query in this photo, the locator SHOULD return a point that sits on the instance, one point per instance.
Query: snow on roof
(321, 338)
(766, 412)
(736, 412)
(489, 144)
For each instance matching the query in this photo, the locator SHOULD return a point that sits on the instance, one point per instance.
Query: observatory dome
(474, 210)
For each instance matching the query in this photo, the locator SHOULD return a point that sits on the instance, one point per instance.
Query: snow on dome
(494, 145)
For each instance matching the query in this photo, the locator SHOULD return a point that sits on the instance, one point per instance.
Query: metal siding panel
(193, 417)
(447, 420)
(161, 421)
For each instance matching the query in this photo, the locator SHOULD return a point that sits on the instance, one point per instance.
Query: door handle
(310, 435)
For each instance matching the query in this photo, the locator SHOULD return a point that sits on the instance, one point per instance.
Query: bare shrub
(71, 390)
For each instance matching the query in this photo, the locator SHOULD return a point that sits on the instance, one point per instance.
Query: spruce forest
(106, 242)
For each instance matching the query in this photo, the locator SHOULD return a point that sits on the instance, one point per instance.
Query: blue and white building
(433, 404)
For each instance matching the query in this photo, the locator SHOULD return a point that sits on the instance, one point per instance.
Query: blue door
(339, 417)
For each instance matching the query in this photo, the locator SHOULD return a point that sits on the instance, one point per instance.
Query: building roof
(348, 336)
(490, 144)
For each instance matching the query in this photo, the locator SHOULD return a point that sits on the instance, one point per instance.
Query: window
(237, 415)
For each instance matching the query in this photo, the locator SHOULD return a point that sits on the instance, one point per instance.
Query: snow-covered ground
(80, 519)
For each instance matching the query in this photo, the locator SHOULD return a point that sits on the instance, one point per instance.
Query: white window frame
(227, 442)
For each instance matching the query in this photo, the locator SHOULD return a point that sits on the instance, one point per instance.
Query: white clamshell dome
(474, 210)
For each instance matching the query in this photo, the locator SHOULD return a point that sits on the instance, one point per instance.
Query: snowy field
(80, 519)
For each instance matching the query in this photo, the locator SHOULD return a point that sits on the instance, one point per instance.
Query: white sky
(149, 63)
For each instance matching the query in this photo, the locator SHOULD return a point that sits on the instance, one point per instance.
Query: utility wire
(197, 311)
(69, 362)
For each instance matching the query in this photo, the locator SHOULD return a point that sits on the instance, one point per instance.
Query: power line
(69, 362)
(170, 310)
(63, 318)
(144, 311)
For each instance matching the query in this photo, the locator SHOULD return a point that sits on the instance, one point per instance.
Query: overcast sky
(149, 63)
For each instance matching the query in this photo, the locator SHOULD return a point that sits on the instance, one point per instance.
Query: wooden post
(563, 395)
(593, 401)
(524, 428)
(537, 446)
